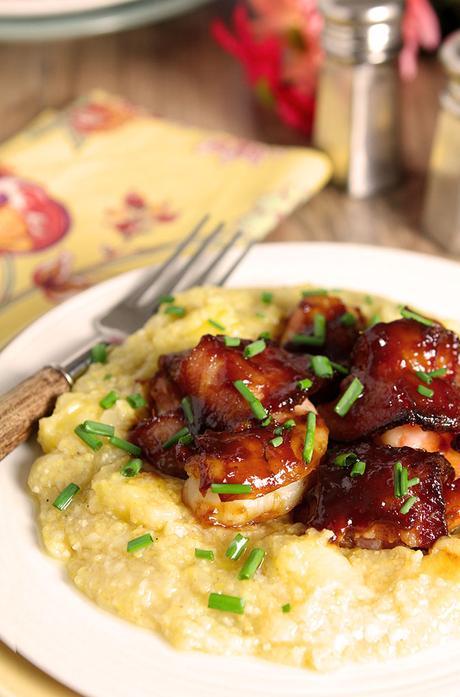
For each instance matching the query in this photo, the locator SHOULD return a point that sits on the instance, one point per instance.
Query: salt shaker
(441, 215)
(357, 118)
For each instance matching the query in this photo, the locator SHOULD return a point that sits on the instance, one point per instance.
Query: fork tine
(217, 258)
(220, 280)
(134, 297)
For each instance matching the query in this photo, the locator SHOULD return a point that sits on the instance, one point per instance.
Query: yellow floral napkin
(103, 187)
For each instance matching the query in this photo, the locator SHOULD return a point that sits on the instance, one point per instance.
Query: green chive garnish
(186, 404)
(358, 468)
(108, 376)
(256, 405)
(226, 603)
(217, 325)
(309, 443)
(65, 498)
(305, 384)
(236, 547)
(252, 563)
(286, 607)
(99, 353)
(349, 397)
(109, 400)
(232, 341)
(439, 373)
(375, 319)
(368, 299)
(413, 482)
(231, 488)
(176, 310)
(428, 377)
(276, 442)
(91, 441)
(125, 445)
(425, 391)
(136, 400)
(346, 459)
(407, 505)
(176, 438)
(409, 314)
(261, 315)
(254, 348)
(397, 469)
(165, 299)
(267, 421)
(404, 481)
(321, 366)
(139, 542)
(131, 468)
(348, 319)
(339, 368)
(266, 297)
(265, 335)
(204, 554)
(307, 340)
(98, 428)
(278, 431)
(314, 291)
(290, 423)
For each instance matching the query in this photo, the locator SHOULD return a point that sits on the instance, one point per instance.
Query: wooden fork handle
(24, 404)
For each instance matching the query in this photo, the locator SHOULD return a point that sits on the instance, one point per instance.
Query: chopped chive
(358, 468)
(307, 340)
(99, 353)
(226, 603)
(314, 291)
(407, 505)
(425, 391)
(131, 468)
(348, 319)
(290, 423)
(278, 431)
(305, 384)
(252, 563)
(232, 341)
(339, 368)
(109, 400)
(309, 443)
(349, 397)
(346, 459)
(265, 335)
(98, 428)
(176, 310)
(403, 481)
(186, 404)
(424, 377)
(254, 348)
(276, 442)
(375, 319)
(286, 607)
(224, 488)
(204, 554)
(139, 542)
(136, 400)
(186, 439)
(108, 376)
(261, 315)
(65, 498)
(368, 299)
(236, 547)
(217, 325)
(439, 373)
(397, 469)
(125, 445)
(410, 314)
(175, 438)
(413, 482)
(165, 299)
(319, 325)
(321, 366)
(266, 297)
(267, 421)
(256, 405)
(88, 438)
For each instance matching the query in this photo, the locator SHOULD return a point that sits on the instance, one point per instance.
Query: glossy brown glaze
(363, 510)
(384, 359)
(151, 434)
(339, 339)
(250, 458)
(452, 497)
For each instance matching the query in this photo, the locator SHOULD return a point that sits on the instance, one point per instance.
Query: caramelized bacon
(363, 511)
(385, 359)
(151, 434)
(340, 335)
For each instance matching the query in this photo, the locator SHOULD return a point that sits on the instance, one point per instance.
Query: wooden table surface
(175, 69)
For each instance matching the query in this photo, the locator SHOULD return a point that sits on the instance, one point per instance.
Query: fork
(35, 396)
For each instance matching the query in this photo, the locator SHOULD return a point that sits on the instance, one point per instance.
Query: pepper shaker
(357, 118)
(441, 215)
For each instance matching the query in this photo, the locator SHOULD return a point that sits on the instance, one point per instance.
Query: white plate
(99, 655)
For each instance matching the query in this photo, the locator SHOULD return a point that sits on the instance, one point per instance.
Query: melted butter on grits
(347, 605)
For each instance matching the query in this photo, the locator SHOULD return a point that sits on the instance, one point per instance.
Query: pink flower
(56, 278)
(420, 30)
